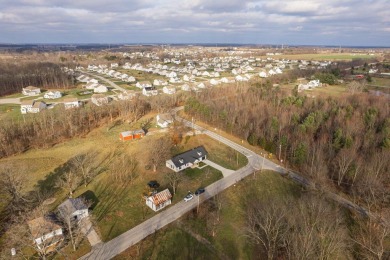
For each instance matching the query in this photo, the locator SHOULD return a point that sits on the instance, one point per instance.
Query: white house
(214, 82)
(52, 95)
(100, 89)
(130, 79)
(32, 106)
(126, 95)
(99, 99)
(31, 91)
(91, 85)
(169, 91)
(143, 84)
(164, 120)
(73, 208)
(71, 103)
(185, 87)
(159, 200)
(187, 159)
(149, 91)
(263, 74)
(46, 234)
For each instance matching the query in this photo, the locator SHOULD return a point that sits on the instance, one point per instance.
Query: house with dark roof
(74, 208)
(187, 159)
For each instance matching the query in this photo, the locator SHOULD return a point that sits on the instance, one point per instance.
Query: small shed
(126, 136)
(137, 134)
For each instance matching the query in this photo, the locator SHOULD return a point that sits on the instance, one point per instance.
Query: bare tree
(125, 168)
(12, 184)
(174, 178)
(370, 237)
(69, 182)
(85, 164)
(355, 86)
(28, 232)
(159, 151)
(266, 225)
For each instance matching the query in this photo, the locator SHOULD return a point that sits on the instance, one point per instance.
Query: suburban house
(126, 95)
(149, 91)
(46, 234)
(71, 103)
(163, 120)
(143, 84)
(52, 95)
(187, 159)
(73, 208)
(100, 89)
(31, 91)
(99, 99)
(159, 200)
(169, 91)
(130, 135)
(32, 106)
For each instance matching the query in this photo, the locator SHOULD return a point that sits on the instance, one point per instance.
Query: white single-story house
(187, 159)
(46, 234)
(32, 106)
(100, 89)
(149, 91)
(73, 208)
(169, 91)
(143, 84)
(164, 120)
(185, 87)
(99, 99)
(127, 95)
(159, 200)
(52, 95)
(71, 103)
(91, 85)
(31, 91)
(263, 74)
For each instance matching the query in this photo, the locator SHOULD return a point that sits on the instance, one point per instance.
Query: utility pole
(280, 151)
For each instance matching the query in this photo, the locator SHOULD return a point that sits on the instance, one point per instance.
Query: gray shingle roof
(189, 156)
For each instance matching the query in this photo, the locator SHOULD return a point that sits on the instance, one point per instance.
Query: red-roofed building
(159, 200)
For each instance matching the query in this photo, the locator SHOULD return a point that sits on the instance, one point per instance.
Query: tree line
(341, 142)
(15, 76)
(53, 126)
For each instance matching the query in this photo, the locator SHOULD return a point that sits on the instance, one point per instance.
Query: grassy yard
(10, 111)
(120, 206)
(228, 240)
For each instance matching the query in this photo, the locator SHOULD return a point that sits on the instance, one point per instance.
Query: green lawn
(228, 239)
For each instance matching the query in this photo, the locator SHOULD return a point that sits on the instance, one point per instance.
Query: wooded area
(340, 142)
(53, 126)
(15, 76)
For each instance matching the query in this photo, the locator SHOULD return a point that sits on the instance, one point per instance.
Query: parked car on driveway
(189, 196)
(199, 191)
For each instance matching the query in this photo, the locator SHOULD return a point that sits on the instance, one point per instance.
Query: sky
(294, 22)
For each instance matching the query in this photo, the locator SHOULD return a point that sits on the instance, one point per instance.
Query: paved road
(112, 84)
(10, 101)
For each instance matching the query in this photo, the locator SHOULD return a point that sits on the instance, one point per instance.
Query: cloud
(258, 21)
